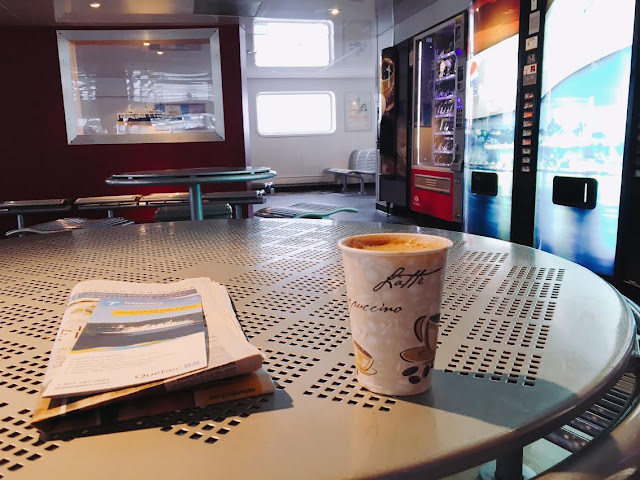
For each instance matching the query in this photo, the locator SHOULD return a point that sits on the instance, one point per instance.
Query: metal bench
(176, 213)
(180, 199)
(108, 202)
(361, 163)
(161, 199)
(303, 210)
(235, 199)
(23, 207)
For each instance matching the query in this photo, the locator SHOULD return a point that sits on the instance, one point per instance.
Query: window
(296, 113)
(141, 86)
(293, 44)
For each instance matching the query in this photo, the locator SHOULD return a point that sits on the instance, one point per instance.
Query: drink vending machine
(550, 156)
(492, 86)
(439, 63)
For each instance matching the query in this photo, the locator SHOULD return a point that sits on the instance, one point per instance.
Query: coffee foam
(394, 244)
(401, 246)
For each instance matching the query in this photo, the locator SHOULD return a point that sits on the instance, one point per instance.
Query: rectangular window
(141, 86)
(292, 43)
(296, 113)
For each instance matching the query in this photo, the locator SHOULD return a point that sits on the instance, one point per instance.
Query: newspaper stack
(145, 349)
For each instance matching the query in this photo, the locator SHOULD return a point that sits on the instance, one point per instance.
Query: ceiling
(175, 12)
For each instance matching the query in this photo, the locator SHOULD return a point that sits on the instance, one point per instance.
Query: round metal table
(527, 341)
(193, 177)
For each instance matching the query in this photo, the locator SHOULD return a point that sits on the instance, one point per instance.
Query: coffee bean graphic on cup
(426, 331)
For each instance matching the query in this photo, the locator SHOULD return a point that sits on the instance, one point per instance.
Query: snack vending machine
(439, 59)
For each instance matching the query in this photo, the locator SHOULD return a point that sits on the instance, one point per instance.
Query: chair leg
(361, 185)
(344, 184)
(20, 220)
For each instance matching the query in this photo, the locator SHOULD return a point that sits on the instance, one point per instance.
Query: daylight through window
(295, 113)
(293, 44)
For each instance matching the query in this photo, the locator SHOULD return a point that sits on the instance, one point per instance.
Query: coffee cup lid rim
(343, 246)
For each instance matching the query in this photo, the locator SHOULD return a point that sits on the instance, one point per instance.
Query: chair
(361, 163)
(303, 210)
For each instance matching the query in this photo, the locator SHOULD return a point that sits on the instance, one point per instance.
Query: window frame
(332, 97)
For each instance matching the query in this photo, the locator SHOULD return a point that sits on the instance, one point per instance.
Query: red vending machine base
(432, 193)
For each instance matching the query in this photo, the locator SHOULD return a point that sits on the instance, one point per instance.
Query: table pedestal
(195, 201)
(507, 467)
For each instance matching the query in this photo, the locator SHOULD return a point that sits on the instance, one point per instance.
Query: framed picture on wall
(357, 111)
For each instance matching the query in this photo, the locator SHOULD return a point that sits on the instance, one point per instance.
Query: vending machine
(394, 134)
(549, 147)
(490, 111)
(439, 58)
(586, 76)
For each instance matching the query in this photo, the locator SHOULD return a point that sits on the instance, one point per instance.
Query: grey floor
(365, 203)
(540, 455)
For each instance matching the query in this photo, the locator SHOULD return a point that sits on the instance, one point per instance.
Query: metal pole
(195, 201)
(20, 220)
(509, 467)
(109, 213)
(237, 211)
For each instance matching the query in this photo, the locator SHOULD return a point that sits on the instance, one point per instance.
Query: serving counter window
(141, 86)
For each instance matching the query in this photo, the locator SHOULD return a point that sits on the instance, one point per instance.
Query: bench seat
(362, 163)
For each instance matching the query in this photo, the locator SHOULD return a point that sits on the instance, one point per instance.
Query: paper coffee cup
(394, 290)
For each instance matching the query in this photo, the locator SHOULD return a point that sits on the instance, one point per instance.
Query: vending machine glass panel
(492, 80)
(585, 85)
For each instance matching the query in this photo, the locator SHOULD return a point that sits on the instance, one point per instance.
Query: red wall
(35, 159)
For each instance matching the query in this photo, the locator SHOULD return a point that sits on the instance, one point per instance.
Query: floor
(541, 454)
(365, 203)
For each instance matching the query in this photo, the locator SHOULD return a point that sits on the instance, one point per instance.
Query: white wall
(302, 159)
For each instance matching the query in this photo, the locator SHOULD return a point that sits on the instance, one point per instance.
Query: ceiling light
(160, 52)
(146, 44)
(95, 5)
(335, 11)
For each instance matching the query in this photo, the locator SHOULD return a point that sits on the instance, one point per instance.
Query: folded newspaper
(178, 345)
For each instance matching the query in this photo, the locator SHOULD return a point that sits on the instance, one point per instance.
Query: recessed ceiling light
(160, 52)
(146, 44)
(335, 11)
(95, 5)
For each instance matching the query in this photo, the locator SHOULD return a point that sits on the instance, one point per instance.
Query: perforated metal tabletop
(527, 341)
